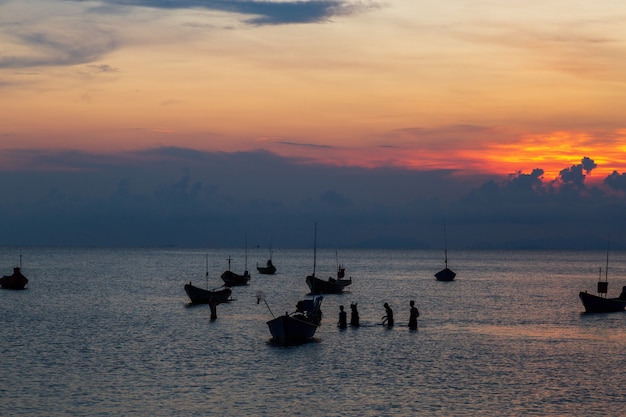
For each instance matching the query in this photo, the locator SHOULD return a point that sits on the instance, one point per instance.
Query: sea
(110, 331)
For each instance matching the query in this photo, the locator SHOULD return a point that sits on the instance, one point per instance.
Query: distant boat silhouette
(232, 279)
(201, 296)
(16, 281)
(600, 303)
(445, 274)
(269, 269)
(330, 286)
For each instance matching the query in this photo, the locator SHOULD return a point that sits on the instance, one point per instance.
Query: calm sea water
(110, 332)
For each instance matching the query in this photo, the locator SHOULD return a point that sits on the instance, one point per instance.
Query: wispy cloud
(264, 12)
(306, 145)
(58, 48)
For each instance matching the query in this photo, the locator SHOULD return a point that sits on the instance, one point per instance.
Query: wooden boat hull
(202, 296)
(270, 269)
(332, 286)
(232, 279)
(17, 281)
(290, 329)
(445, 274)
(596, 304)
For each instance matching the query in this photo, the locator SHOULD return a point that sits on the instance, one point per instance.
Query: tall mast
(246, 256)
(445, 243)
(206, 275)
(606, 269)
(315, 249)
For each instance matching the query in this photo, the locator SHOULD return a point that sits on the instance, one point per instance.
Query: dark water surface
(110, 332)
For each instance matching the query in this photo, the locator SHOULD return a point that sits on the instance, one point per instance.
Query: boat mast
(604, 285)
(445, 243)
(270, 248)
(606, 269)
(206, 275)
(246, 256)
(315, 249)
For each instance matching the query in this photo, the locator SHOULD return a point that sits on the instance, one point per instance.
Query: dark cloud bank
(181, 197)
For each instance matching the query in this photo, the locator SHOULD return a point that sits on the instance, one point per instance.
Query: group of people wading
(387, 318)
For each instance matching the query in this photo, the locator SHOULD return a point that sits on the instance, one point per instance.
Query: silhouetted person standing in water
(388, 319)
(413, 316)
(354, 316)
(342, 318)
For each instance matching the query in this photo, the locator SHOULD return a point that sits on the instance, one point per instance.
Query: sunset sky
(472, 90)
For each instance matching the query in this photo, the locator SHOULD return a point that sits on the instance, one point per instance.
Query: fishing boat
(299, 326)
(600, 303)
(330, 286)
(16, 281)
(232, 279)
(269, 269)
(446, 274)
(199, 295)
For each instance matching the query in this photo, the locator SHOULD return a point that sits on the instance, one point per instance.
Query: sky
(153, 122)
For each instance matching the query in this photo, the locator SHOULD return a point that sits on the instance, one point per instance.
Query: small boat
(299, 326)
(269, 269)
(600, 303)
(16, 281)
(199, 295)
(446, 274)
(232, 279)
(330, 286)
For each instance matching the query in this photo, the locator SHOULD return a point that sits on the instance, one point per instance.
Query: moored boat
(16, 281)
(330, 286)
(269, 269)
(600, 303)
(446, 274)
(232, 279)
(299, 326)
(201, 296)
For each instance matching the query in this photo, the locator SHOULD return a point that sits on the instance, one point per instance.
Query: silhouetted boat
(269, 269)
(445, 274)
(16, 281)
(232, 279)
(330, 286)
(199, 295)
(600, 303)
(299, 326)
